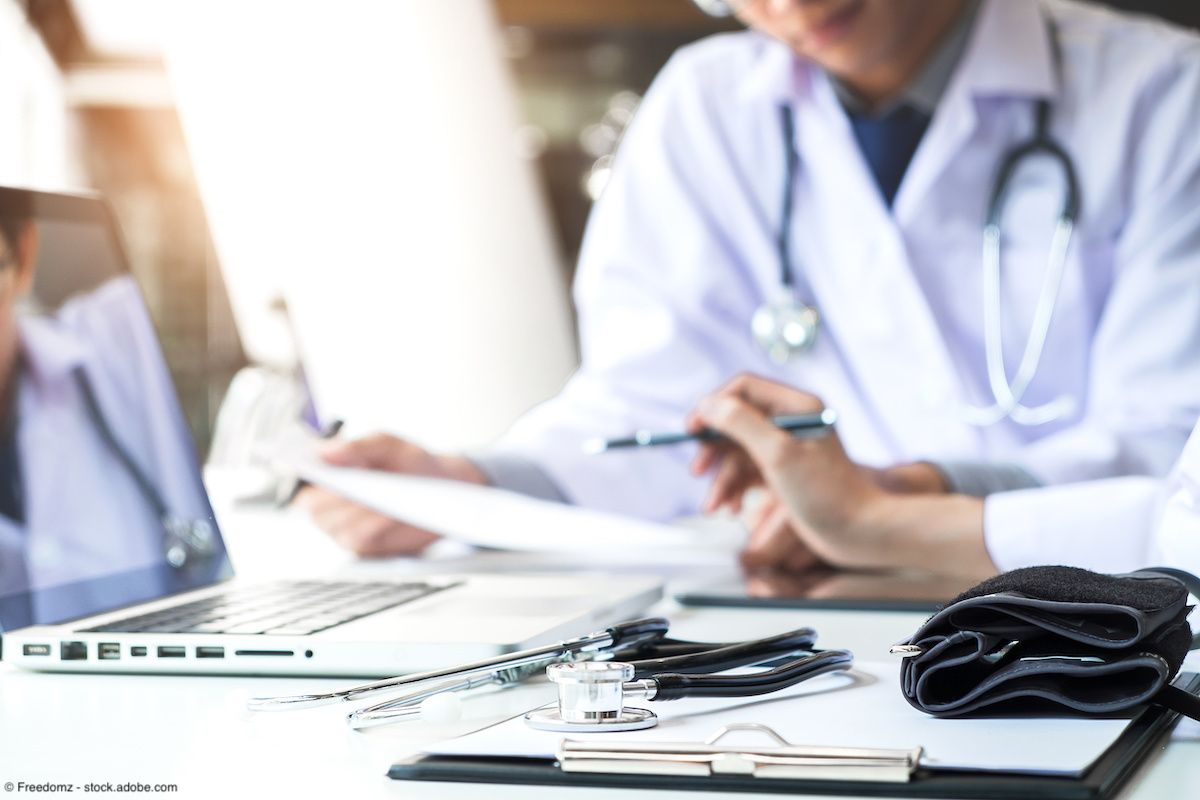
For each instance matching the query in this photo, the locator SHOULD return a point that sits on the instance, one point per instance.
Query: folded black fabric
(1043, 639)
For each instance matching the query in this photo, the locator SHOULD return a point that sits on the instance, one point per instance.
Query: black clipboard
(1100, 781)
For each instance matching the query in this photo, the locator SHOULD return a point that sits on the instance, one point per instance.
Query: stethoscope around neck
(786, 328)
(185, 541)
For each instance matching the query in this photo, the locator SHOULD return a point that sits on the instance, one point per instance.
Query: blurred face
(860, 41)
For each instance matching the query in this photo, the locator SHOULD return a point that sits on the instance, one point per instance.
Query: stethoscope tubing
(1007, 393)
(680, 668)
(699, 657)
(182, 538)
(673, 686)
(670, 657)
(628, 635)
(144, 485)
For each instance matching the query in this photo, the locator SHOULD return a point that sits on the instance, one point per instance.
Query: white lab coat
(84, 515)
(1177, 543)
(1112, 525)
(680, 251)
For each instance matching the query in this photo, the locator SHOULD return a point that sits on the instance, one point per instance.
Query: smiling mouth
(834, 28)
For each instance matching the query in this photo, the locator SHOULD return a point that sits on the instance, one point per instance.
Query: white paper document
(862, 709)
(490, 517)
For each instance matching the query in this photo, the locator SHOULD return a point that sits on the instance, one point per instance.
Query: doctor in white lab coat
(682, 249)
(70, 509)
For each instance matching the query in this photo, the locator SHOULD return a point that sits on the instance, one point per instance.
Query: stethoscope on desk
(594, 675)
(185, 541)
(787, 327)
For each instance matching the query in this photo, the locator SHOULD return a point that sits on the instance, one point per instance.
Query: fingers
(382, 451)
(371, 535)
(746, 425)
(378, 451)
(735, 476)
(359, 529)
(775, 543)
(707, 456)
(767, 398)
(801, 558)
(709, 452)
(314, 499)
(759, 513)
(770, 397)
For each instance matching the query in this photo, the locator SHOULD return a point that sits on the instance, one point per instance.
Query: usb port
(108, 651)
(210, 652)
(172, 652)
(72, 651)
(137, 650)
(36, 649)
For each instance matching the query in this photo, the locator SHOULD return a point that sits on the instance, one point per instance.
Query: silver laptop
(110, 556)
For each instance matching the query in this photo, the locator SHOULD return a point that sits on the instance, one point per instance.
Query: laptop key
(292, 606)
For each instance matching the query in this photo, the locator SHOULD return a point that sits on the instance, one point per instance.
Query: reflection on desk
(830, 588)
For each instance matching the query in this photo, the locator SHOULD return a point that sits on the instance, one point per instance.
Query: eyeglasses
(721, 8)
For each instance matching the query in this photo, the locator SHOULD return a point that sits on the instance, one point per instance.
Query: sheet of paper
(489, 517)
(862, 709)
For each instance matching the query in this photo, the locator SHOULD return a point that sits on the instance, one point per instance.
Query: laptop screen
(101, 499)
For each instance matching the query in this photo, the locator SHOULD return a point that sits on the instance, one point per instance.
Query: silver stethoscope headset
(786, 328)
(185, 541)
(594, 675)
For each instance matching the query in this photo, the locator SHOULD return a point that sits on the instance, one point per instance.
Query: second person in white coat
(683, 248)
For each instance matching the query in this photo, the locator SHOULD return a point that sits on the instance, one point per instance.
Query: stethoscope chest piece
(591, 697)
(785, 329)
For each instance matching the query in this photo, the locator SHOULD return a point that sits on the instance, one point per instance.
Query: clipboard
(1100, 781)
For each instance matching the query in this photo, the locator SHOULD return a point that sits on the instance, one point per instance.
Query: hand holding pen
(801, 426)
(833, 504)
(772, 540)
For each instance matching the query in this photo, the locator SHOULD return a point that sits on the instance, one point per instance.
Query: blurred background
(143, 100)
(369, 207)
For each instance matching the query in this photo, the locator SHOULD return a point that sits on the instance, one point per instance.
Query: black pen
(800, 425)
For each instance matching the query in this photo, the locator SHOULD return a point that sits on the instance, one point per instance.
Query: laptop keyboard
(293, 608)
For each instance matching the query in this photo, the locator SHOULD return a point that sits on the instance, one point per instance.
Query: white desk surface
(195, 732)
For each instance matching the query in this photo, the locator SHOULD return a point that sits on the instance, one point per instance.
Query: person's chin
(837, 30)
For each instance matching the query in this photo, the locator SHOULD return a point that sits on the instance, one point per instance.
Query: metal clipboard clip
(784, 760)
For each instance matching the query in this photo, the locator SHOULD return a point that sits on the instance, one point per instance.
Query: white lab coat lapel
(77, 497)
(1009, 54)
(57, 496)
(854, 259)
(855, 256)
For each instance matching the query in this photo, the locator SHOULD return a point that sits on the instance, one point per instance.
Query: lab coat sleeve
(1113, 525)
(1144, 389)
(1177, 543)
(663, 299)
(1103, 525)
